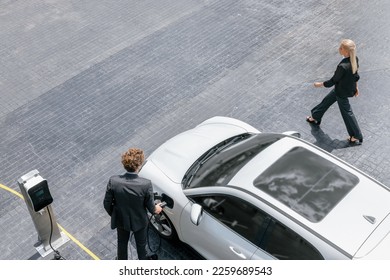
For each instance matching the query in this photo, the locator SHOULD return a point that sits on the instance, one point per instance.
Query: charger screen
(40, 196)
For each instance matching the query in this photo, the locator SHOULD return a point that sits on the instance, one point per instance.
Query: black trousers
(123, 241)
(345, 109)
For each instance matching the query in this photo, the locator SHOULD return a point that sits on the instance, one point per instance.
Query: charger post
(36, 193)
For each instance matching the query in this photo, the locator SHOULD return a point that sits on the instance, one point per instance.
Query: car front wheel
(163, 226)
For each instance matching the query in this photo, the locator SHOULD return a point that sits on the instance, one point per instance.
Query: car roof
(349, 222)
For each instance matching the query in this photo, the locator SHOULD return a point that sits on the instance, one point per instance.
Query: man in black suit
(126, 200)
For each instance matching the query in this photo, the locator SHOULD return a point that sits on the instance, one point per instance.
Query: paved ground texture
(82, 81)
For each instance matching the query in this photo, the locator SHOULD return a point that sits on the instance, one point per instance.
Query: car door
(285, 244)
(228, 229)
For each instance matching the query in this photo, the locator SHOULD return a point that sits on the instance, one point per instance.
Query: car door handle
(237, 252)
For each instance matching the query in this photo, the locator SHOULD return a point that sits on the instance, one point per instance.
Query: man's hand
(157, 209)
(318, 84)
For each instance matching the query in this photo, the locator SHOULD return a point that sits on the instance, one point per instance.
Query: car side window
(285, 244)
(237, 214)
(258, 227)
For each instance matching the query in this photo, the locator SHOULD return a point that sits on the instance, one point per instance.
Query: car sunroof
(307, 183)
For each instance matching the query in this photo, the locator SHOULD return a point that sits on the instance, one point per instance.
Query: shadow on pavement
(325, 142)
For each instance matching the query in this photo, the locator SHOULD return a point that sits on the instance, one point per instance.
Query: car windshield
(221, 163)
(307, 183)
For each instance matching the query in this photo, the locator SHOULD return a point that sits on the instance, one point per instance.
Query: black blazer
(343, 79)
(126, 200)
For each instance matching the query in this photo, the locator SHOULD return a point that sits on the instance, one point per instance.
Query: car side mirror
(196, 213)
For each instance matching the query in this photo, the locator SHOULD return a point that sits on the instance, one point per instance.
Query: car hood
(175, 156)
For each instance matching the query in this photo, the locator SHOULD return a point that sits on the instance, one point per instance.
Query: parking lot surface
(81, 82)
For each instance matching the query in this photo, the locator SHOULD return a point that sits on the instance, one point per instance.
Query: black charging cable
(156, 217)
(57, 255)
(157, 220)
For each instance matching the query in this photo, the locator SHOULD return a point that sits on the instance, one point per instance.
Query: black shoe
(310, 120)
(152, 257)
(355, 141)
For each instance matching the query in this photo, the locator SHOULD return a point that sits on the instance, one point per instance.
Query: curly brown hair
(132, 159)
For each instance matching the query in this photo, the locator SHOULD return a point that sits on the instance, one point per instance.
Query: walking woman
(344, 81)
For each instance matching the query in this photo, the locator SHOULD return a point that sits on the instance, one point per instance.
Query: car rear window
(307, 183)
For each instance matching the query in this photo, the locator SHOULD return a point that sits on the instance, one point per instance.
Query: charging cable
(57, 255)
(157, 220)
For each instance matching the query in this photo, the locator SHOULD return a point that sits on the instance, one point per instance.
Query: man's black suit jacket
(126, 200)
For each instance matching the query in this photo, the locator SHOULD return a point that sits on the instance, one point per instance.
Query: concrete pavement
(81, 82)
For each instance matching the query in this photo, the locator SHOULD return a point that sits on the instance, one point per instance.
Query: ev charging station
(36, 193)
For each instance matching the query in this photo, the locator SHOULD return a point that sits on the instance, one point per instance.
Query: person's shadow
(325, 142)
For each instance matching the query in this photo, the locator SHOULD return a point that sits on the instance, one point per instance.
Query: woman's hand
(318, 84)
(357, 92)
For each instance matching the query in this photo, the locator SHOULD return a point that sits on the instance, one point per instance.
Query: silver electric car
(235, 193)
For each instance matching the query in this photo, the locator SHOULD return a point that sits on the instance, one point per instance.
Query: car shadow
(325, 142)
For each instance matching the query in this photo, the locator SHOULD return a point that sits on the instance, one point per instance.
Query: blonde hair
(132, 159)
(350, 46)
